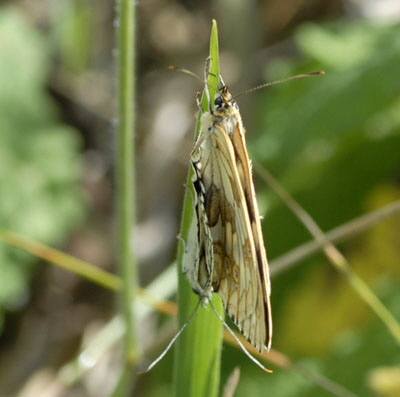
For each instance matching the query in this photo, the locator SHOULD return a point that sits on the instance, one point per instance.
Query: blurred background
(332, 141)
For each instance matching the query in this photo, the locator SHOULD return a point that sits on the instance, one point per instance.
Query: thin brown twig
(277, 358)
(113, 282)
(281, 360)
(335, 235)
(333, 254)
(232, 383)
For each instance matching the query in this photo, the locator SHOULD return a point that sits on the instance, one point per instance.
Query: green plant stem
(125, 185)
(198, 350)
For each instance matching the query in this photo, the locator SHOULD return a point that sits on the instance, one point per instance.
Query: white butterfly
(230, 258)
(225, 250)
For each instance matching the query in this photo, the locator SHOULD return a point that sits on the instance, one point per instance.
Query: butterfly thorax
(225, 111)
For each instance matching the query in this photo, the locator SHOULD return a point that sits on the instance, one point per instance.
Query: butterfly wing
(239, 271)
(243, 166)
(200, 270)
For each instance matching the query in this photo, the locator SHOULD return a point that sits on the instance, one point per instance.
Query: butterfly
(230, 258)
(225, 250)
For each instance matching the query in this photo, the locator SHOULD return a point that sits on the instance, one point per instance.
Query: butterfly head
(223, 100)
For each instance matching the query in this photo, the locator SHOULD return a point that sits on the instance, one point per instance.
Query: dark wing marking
(232, 217)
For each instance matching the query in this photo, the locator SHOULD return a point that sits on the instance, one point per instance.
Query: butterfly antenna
(297, 76)
(173, 340)
(190, 73)
(245, 351)
(186, 71)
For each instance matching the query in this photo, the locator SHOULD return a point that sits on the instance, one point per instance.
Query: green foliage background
(39, 162)
(332, 141)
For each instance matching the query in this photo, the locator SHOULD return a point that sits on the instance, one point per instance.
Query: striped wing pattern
(231, 257)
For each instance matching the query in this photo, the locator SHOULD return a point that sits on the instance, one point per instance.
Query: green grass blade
(125, 186)
(198, 350)
(62, 260)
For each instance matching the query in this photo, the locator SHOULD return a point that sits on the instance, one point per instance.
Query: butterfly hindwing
(231, 250)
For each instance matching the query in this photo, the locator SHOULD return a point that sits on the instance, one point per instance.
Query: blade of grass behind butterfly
(198, 350)
(125, 190)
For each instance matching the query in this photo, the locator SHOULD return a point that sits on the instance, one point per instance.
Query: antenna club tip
(172, 67)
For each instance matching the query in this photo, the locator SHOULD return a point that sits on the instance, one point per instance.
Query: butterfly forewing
(231, 257)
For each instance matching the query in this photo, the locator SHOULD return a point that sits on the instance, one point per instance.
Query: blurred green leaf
(73, 29)
(324, 137)
(333, 142)
(39, 163)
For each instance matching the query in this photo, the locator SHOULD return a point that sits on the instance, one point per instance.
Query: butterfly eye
(218, 101)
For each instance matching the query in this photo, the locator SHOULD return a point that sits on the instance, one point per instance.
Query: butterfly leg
(185, 246)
